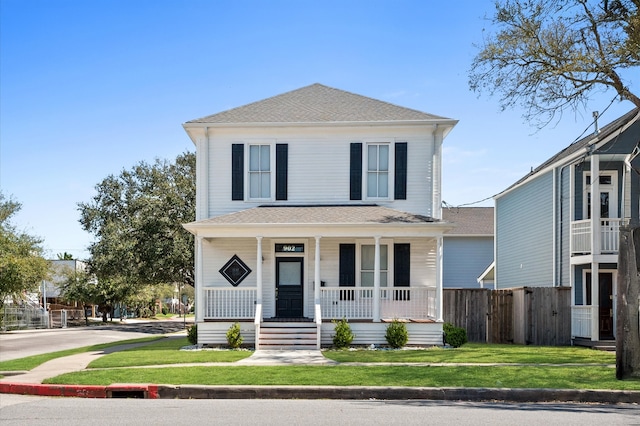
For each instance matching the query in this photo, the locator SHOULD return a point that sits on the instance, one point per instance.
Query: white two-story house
(550, 232)
(314, 205)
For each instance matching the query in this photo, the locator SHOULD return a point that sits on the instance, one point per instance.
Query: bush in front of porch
(344, 336)
(397, 335)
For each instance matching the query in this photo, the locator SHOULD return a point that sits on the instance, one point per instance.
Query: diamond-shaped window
(235, 270)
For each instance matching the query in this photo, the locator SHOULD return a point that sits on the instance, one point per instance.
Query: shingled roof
(469, 220)
(321, 215)
(318, 104)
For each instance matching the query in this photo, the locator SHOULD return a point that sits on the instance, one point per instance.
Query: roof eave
(284, 230)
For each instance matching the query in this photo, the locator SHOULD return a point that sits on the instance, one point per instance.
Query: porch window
(367, 262)
(260, 171)
(378, 170)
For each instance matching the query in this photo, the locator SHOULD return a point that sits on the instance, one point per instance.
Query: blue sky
(88, 88)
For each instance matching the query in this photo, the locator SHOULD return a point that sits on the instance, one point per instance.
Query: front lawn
(344, 375)
(166, 351)
(479, 353)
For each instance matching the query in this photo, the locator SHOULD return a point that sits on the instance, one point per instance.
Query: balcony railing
(609, 236)
(357, 303)
(581, 321)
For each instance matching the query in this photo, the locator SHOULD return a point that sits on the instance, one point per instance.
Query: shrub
(454, 336)
(343, 336)
(234, 338)
(397, 335)
(165, 311)
(192, 334)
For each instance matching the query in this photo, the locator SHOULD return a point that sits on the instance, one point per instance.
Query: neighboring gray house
(549, 232)
(59, 269)
(314, 205)
(468, 248)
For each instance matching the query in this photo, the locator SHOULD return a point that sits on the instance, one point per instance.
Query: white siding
(524, 235)
(217, 252)
(464, 259)
(319, 166)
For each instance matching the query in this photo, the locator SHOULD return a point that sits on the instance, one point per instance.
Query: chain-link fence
(24, 317)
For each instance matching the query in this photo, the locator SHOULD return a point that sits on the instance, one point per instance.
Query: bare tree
(553, 55)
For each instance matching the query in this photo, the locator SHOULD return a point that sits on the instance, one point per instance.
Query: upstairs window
(378, 171)
(259, 171)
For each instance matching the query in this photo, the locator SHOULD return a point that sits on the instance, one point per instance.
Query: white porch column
(316, 272)
(259, 271)
(439, 294)
(376, 281)
(595, 244)
(199, 285)
(595, 301)
(595, 205)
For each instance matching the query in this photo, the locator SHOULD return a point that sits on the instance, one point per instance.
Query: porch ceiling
(327, 221)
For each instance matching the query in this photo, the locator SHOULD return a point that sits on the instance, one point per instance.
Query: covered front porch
(305, 275)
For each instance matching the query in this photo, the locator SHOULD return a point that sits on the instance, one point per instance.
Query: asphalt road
(22, 343)
(22, 410)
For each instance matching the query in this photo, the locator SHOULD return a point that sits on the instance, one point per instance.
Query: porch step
(288, 335)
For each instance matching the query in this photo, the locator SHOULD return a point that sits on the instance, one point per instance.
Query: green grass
(480, 353)
(165, 352)
(31, 362)
(344, 375)
(115, 368)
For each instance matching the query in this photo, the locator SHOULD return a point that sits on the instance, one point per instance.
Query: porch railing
(581, 321)
(609, 235)
(236, 303)
(357, 303)
(342, 302)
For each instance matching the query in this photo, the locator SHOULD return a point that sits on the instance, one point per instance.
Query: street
(32, 410)
(19, 344)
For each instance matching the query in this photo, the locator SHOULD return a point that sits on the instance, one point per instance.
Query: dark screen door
(289, 277)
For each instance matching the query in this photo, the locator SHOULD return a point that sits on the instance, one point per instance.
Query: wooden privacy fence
(526, 315)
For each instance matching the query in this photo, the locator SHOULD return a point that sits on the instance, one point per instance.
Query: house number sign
(289, 248)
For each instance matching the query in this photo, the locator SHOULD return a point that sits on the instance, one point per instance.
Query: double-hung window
(259, 171)
(367, 265)
(378, 170)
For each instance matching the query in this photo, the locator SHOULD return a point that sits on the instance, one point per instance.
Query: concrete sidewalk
(30, 382)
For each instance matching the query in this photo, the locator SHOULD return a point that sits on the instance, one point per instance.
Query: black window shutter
(347, 270)
(400, 190)
(282, 150)
(355, 192)
(402, 265)
(237, 171)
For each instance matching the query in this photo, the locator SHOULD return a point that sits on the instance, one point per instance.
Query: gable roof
(318, 104)
(603, 136)
(469, 221)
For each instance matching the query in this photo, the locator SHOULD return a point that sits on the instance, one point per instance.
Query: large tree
(553, 55)
(136, 218)
(22, 266)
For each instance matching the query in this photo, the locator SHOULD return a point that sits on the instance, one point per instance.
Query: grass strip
(344, 375)
(30, 362)
(479, 353)
(166, 352)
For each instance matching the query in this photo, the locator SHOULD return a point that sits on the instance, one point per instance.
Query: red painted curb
(78, 391)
